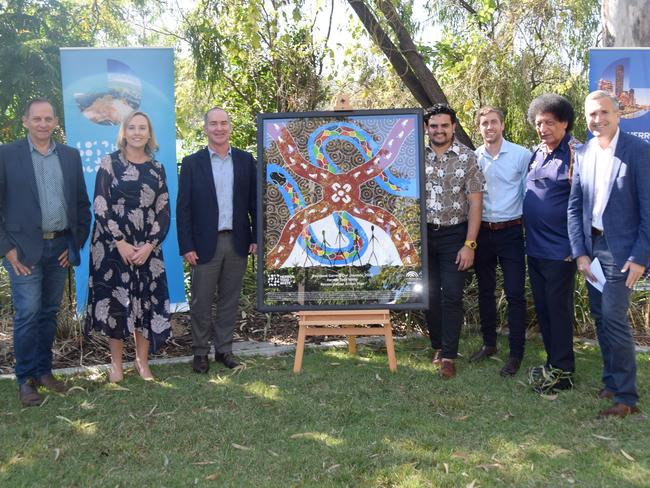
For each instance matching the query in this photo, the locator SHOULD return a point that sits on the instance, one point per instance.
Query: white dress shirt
(603, 160)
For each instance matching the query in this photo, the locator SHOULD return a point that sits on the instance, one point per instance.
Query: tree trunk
(625, 24)
(405, 59)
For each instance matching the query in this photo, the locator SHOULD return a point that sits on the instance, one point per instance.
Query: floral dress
(131, 202)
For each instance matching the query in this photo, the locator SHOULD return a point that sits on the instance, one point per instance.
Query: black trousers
(504, 247)
(553, 283)
(446, 283)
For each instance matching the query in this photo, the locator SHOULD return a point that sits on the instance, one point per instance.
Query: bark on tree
(625, 23)
(405, 59)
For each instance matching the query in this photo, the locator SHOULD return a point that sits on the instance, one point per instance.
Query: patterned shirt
(448, 180)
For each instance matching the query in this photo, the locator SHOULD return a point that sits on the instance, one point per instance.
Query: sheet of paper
(597, 271)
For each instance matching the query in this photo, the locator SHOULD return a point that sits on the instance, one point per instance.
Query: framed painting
(340, 213)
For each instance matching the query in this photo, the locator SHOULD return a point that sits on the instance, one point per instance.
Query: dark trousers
(446, 283)
(553, 283)
(609, 310)
(223, 275)
(504, 247)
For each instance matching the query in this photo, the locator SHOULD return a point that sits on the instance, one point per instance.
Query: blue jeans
(609, 310)
(36, 299)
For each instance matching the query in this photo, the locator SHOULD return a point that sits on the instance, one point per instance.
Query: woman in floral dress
(128, 286)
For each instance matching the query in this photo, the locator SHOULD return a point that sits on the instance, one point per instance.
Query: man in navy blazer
(216, 221)
(44, 221)
(609, 219)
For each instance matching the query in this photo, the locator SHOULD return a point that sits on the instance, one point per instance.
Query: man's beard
(440, 144)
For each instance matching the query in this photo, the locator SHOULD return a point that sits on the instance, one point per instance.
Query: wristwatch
(119, 238)
(471, 244)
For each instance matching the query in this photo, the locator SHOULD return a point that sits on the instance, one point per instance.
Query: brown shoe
(51, 383)
(605, 394)
(447, 369)
(437, 357)
(511, 367)
(483, 353)
(29, 395)
(619, 410)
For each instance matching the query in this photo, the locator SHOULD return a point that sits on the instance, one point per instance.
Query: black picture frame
(307, 195)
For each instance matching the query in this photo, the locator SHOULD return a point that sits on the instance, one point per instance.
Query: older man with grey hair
(609, 222)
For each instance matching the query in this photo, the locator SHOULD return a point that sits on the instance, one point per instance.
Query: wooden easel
(314, 323)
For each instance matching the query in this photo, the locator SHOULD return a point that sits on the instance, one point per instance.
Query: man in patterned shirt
(454, 194)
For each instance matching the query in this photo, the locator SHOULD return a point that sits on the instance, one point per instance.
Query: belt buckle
(48, 236)
(491, 225)
(436, 227)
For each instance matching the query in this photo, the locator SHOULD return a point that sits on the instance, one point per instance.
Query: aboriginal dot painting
(340, 211)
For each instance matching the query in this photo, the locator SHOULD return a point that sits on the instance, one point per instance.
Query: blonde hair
(150, 147)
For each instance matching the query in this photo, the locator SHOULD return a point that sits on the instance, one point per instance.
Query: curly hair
(440, 108)
(554, 104)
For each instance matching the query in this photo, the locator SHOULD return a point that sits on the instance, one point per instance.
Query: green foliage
(31, 33)
(506, 53)
(254, 57)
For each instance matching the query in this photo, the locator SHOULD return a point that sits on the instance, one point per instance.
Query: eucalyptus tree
(625, 23)
(256, 56)
(501, 52)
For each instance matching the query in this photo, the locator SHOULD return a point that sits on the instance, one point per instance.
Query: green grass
(344, 421)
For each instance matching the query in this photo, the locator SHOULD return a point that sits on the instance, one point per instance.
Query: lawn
(344, 421)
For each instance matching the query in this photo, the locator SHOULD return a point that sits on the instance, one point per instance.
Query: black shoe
(546, 379)
(483, 353)
(227, 359)
(200, 364)
(511, 367)
(561, 384)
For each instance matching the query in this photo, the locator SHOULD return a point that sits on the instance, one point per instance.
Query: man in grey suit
(609, 220)
(44, 221)
(216, 222)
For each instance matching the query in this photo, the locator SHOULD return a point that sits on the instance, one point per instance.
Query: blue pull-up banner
(625, 73)
(100, 88)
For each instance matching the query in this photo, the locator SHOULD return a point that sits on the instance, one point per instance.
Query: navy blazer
(20, 209)
(626, 218)
(197, 211)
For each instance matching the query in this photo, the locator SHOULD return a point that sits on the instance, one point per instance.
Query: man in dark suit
(216, 221)
(44, 221)
(609, 220)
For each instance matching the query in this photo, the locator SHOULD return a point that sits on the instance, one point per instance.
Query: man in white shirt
(609, 220)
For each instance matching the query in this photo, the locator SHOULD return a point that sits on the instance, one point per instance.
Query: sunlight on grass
(263, 390)
(221, 380)
(322, 437)
(344, 422)
(81, 427)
